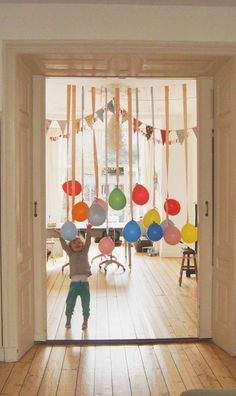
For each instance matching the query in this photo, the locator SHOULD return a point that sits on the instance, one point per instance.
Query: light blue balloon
(96, 215)
(131, 231)
(154, 232)
(69, 231)
(165, 223)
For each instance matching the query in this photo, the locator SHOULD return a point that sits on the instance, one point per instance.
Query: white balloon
(96, 215)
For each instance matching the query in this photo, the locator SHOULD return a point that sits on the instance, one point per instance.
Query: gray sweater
(79, 263)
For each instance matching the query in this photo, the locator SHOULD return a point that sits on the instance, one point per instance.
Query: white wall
(119, 22)
(115, 22)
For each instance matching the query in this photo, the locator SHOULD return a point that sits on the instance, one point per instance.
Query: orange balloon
(80, 211)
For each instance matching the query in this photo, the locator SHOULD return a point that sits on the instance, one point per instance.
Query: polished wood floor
(158, 370)
(145, 302)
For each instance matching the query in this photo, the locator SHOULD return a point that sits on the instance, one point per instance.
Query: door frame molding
(11, 50)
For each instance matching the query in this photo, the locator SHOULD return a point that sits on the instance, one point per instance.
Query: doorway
(32, 57)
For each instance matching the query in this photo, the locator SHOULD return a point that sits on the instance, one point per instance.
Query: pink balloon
(106, 245)
(101, 202)
(172, 235)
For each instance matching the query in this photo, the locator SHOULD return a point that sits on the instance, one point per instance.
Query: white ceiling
(208, 3)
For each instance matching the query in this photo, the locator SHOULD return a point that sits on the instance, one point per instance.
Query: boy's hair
(79, 236)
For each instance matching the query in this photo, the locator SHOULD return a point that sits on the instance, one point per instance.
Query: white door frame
(39, 223)
(30, 47)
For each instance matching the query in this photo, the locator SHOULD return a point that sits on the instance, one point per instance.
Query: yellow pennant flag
(90, 120)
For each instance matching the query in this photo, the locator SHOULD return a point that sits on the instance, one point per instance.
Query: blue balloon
(154, 232)
(69, 231)
(165, 223)
(131, 231)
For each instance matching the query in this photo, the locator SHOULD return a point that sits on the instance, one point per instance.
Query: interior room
(115, 291)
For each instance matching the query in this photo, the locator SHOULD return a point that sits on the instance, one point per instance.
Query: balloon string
(154, 151)
(82, 138)
(95, 157)
(167, 114)
(73, 142)
(185, 112)
(129, 94)
(106, 157)
(117, 132)
(67, 149)
(137, 131)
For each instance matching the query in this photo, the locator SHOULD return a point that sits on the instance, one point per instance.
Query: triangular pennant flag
(47, 124)
(135, 124)
(89, 119)
(100, 113)
(62, 125)
(195, 130)
(124, 116)
(77, 125)
(180, 134)
(163, 136)
(149, 131)
(110, 106)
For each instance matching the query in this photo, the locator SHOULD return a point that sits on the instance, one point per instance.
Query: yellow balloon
(189, 233)
(151, 216)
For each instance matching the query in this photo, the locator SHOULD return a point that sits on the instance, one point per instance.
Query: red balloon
(68, 187)
(140, 194)
(172, 207)
(80, 211)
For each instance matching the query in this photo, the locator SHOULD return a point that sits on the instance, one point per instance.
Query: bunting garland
(138, 126)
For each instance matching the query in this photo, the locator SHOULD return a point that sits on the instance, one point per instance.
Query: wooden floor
(158, 370)
(145, 302)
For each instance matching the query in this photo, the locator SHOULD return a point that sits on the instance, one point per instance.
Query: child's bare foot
(84, 325)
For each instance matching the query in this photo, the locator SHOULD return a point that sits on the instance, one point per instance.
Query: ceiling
(208, 3)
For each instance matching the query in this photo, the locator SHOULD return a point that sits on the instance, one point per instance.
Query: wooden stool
(189, 267)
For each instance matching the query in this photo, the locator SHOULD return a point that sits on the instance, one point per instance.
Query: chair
(115, 236)
(187, 265)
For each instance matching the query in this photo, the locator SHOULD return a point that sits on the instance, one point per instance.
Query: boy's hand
(89, 227)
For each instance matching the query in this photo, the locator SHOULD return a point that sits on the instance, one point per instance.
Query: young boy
(77, 251)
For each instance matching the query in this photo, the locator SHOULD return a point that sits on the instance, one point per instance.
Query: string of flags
(138, 126)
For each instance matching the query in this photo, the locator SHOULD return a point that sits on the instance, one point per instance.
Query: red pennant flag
(135, 124)
(163, 136)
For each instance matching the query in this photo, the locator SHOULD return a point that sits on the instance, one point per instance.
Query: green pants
(78, 289)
